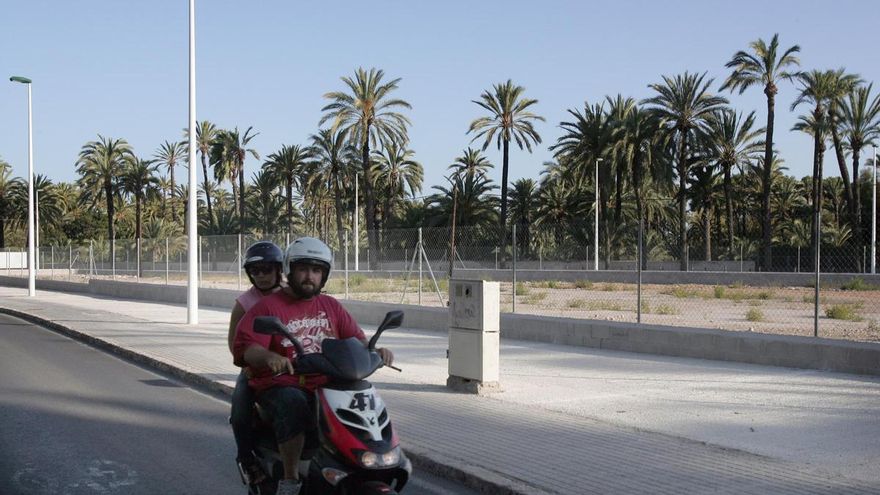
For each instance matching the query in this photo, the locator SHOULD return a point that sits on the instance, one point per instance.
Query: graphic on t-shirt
(311, 331)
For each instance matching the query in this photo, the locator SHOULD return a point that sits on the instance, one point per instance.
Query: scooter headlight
(373, 460)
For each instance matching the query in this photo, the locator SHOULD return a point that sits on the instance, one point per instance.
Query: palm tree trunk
(171, 195)
(682, 200)
(235, 196)
(707, 227)
(370, 214)
(728, 204)
(606, 227)
(503, 219)
(241, 221)
(207, 193)
(337, 197)
(766, 219)
(817, 189)
(111, 234)
(852, 207)
(857, 201)
(289, 192)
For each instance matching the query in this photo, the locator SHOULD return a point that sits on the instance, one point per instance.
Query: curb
(473, 477)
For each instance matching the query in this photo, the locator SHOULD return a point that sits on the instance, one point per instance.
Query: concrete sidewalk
(568, 420)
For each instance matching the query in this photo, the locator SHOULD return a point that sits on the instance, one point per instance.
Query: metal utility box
(474, 317)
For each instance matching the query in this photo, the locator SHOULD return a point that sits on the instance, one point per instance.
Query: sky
(118, 68)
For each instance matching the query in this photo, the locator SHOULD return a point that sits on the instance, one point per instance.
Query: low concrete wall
(722, 345)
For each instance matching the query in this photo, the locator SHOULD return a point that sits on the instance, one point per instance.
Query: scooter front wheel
(375, 488)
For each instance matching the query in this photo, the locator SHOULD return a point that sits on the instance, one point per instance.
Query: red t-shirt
(311, 321)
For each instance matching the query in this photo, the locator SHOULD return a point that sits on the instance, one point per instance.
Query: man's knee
(290, 411)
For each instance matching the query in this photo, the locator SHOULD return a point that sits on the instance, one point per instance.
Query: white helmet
(311, 251)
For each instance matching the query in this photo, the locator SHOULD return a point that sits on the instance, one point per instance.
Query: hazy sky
(119, 67)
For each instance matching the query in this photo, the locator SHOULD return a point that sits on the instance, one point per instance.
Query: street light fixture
(596, 223)
(32, 274)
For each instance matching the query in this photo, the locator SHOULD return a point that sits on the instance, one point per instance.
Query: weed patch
(755, 314)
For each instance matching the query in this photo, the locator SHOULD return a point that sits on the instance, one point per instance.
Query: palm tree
(265, 205)
(636, 144)
(368, 117)
(100, 165)
(766, 68)
(333, 156)
(685, 103)
(395, 170)
(140, 181)
(168, 154)
(817, 88)
(284, 167)
(842, 84)
(523, 206)
(732, 142)
(860, 117)
(8, 187)
(509, 119)
(228, 153)
(206, 134)
(471, 162)
(704, 187)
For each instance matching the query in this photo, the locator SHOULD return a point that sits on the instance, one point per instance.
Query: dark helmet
(264, 252)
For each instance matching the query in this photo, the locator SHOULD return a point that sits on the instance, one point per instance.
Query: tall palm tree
(168, 155)
(265, 205)
(508, 119)
(471, 162)
(817, 88)
(842, 84)
(637, 140)
(284, 167)
(100, 165)
(206, 134)
(334, 155)
(765, 67)
(732, 142)
(395, 170)
(228, 153)
(703, 191)
(139, 180)
(369, 118)
(523, 206)
(686, 104)
(860, 118)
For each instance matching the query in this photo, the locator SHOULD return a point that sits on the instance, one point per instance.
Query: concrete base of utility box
(469, 386)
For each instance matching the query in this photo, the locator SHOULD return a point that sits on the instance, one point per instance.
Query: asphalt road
(76, 421)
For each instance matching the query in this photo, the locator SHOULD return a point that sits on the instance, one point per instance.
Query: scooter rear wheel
(268, 487)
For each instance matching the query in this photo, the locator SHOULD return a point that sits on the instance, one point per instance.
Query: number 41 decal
(361, 401)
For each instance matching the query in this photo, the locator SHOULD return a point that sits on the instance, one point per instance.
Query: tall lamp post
(192, 299)
(32, 274)
(596, 223)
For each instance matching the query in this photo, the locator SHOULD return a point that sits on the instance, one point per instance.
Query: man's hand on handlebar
(279, 364)
(387, 357)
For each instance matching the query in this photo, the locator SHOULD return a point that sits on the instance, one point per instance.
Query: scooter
(354, 450)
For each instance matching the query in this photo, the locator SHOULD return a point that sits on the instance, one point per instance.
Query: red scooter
(355, 450)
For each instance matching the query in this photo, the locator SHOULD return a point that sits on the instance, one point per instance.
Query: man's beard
(302, 291)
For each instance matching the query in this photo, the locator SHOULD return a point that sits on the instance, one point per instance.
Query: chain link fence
(550, 270)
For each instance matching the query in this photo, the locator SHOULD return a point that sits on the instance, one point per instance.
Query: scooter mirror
(268, 325)
(393, 319)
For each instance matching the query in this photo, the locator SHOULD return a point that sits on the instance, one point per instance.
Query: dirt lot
(843, 314)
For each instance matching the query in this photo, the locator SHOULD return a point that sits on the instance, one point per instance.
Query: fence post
(52, 262)
(421, 250)
(167, 261)
(818, 244)
(113, 258)
(91, 258)
(639, 269)
(199, 259)
(240, 261)
(741, 268)
(138, 260)
(69, 261)
(514, 267)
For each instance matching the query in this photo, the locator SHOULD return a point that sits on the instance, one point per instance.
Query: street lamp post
(596, 223)
(192, 300)
(32, 275)
(356, 222)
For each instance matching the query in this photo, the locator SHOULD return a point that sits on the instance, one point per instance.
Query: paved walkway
(568, 420)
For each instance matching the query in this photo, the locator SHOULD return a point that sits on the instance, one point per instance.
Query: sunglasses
(260, 269)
